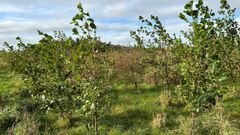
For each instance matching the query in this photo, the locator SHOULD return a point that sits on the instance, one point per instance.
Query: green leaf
(79, 6)
(93, 26)
(189, 5)
(207, 15)
(90, 19)
(182, 16)
(152, 17)
(195, 13)
(92, 107)
(87, 14)
(79, 17)
(40, 33)
(223, 78)
(200, 2)
(189, 12)
(75, 31)
(18, 38)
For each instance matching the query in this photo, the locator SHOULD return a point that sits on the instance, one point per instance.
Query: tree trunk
(137, 87)
(193, 124)
(167, 77)
(96, 121)
(96, 125)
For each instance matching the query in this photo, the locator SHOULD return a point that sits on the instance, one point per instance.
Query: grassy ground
(131, 113)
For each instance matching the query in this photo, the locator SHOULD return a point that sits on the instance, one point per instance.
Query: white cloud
(176, 28)
(116, 26)
(114, 18)
(6, 8)
(27, 27)
(27, 30)
(122, 38)
(118, 9)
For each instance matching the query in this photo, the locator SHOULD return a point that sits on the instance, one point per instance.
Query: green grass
(9, 81)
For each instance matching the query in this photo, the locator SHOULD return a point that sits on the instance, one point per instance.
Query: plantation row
(77, 78)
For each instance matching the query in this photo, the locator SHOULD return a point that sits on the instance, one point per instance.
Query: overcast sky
(114, 18)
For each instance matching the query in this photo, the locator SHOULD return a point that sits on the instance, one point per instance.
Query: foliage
(159, 46)
(159, 121)
(129, 65)
(63, 74)
(203, 70)
(27, 126)
(165, 99)
(151, 34)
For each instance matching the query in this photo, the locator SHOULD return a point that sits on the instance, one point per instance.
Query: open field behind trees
(159, 86)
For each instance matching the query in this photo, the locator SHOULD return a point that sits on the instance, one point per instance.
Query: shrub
(159, 121)
(184, 125)
(129, 66)
(165, 98)
(213, 123)
(27, 126)
(8, 117)
(151, 76)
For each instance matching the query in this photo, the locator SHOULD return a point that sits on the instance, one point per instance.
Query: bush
(27, 126)
(165, 98)
(151, 76)
(159, 121)
(8, 117)
(62, 122)
(213, 123)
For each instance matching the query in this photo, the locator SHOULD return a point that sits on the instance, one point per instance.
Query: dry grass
(165, 98)
(160, 120)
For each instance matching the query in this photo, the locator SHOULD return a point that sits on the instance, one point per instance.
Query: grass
(131, 113)
(9, 82)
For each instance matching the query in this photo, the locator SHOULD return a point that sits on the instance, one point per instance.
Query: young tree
(129, 65)
(157, 42)
(63, 74)
(207, 46)
(204, 67)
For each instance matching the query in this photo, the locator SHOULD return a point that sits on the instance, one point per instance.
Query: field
(131, 112)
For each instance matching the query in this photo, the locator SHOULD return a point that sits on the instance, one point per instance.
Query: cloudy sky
(114, 18)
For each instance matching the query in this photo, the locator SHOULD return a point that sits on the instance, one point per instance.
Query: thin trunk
(167, 76)
(136, 85)
(156, 83)
(96, 121)
(96, 125)
(193, 124)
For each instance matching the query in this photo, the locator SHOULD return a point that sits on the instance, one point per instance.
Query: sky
(114, 18)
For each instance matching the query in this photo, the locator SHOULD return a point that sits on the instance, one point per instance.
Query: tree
(63, 74)
(159, 48)
(204, 68)
(129, 65)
